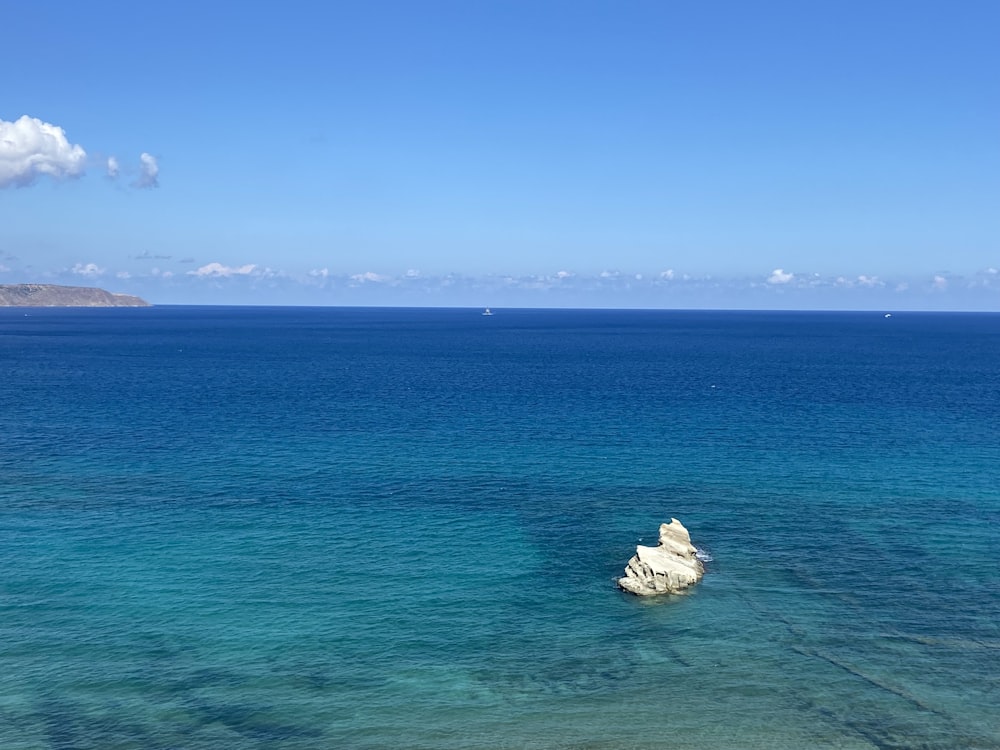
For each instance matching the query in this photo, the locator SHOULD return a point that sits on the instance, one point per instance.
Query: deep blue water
(374, 528)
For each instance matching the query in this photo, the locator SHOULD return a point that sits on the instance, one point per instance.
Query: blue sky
(606, 154)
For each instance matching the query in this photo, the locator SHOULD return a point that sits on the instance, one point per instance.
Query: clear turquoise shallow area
(386, 528)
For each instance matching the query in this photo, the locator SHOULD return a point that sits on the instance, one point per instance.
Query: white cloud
(413, 273)
(217, 270)
(123, 275)
(319, 273)
(985, 279)
(869, 281)
(667, 275)
(30, 148)
(90, 270)
(149, 170)
(778, 276)
(939, 282)
(534, 282)
(369, 276)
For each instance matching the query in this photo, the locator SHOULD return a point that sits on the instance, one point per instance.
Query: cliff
(51, 295)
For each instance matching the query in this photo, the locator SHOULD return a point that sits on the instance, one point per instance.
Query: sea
(373, 528)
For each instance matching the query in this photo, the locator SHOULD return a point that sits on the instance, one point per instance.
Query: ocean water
(400, 528)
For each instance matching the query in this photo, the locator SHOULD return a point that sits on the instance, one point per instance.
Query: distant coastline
(54, 295)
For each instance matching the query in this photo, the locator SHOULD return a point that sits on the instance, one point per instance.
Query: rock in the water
(667, 569)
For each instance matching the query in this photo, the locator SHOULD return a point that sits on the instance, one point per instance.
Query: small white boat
(487, 311)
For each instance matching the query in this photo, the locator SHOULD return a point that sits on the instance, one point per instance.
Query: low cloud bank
(237, 281)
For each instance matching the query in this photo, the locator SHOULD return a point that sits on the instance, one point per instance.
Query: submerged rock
(667, 569)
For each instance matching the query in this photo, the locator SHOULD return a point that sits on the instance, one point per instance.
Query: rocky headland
(53, 295)
(668, 568)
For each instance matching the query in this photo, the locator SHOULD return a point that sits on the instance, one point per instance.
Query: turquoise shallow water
(295, 528)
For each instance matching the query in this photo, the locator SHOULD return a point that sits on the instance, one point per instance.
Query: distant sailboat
(487, 311)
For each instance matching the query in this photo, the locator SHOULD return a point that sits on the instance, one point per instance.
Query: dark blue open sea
(400, 528)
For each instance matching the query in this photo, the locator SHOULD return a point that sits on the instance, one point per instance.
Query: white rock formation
(667, 569)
